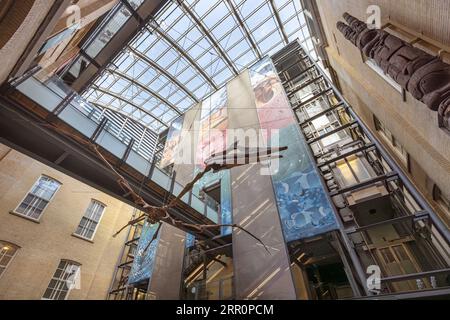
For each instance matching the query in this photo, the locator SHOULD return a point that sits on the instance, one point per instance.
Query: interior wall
(43, 244)
(258, 274)
(410, 121)
(24, 20)
(166, 277)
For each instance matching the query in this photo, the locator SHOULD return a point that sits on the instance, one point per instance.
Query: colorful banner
(190, 240)
(212, 139)
(144, 261)
(304, 209)
(213, 127)
(172, 142)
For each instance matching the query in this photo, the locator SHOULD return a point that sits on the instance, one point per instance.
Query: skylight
(190, 50)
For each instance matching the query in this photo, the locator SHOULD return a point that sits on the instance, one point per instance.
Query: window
(7, 253)
(38, 198)
(61, 282)
(441, 200)
(58, 38)
(89, 223)
(392, 141)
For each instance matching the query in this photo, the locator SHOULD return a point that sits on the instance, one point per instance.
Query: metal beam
(298, 76)
(412, 189)
(163, 71)
(293, 64)
(421, 215)
(349, 246)
(140, 85)
(330, 133)
(373, 181)
(320, 114)
(314, 97)
(413, 276)
(280, 23)
(207, 33)
(22, 130)
(112, 94)
(346, 155)
(244, 28)
(303, 86)
(182, 52)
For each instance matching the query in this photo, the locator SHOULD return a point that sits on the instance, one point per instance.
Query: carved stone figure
(444, 114)
(426, 77)
(431, 84)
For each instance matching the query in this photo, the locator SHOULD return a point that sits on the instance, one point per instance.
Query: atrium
(224, 150)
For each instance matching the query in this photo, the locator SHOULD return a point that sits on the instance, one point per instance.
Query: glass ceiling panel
(191, 50)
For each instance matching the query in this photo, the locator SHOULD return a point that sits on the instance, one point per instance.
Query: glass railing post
(99, 129)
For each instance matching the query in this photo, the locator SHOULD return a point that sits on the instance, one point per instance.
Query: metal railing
(335, 134)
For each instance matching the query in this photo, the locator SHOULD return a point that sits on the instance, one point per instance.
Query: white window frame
(6, 266)
(373, 65)
(16, 212)
(441, 200)
(98, 222)
(60, 280)
(392, 142)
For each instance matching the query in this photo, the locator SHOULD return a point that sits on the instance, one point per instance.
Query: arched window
(65, 278)
(7, 253)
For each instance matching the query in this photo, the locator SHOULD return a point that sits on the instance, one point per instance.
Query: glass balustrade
(53, 94)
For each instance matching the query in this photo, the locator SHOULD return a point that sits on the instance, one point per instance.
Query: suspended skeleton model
(425, 76)
(233, 157)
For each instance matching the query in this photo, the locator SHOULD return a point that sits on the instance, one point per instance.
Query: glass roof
(190, 50)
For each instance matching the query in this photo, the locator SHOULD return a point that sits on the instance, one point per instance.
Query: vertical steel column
(415, 193)
(347, 242)
(396, 170)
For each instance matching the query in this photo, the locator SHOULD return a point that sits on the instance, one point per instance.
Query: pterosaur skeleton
(234, 156)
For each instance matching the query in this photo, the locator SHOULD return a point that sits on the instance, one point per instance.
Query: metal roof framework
(189, 50)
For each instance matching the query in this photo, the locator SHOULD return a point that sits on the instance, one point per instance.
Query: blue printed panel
(212, 139)
(144, 261)
(302, 203)
(172, 142)
(304, 208)
(226, 205)
(190, 240)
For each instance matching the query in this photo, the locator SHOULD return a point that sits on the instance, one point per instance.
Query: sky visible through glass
(191, 50)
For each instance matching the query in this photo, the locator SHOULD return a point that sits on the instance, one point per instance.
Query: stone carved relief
(425, 76)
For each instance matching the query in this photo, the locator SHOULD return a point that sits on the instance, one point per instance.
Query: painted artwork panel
(144, 261)
(172, 142)
(190, 240)
(304, 208)
(212, 139)
(213, 126)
